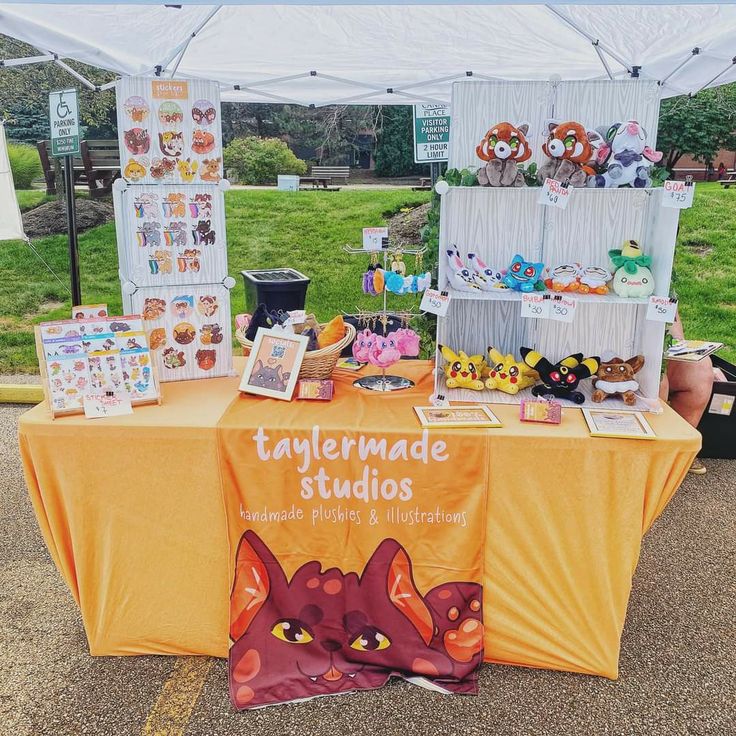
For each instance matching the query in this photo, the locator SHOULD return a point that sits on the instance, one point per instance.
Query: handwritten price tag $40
(555, 194)
(435, 302)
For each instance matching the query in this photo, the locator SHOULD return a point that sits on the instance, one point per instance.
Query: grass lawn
(266, 229)
(307, 230)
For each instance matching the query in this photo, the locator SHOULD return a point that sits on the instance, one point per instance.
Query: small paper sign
(721, 404)
(106, 405)
(297, 317)
(661, 309)
(678, 194)
(435, 302)
(439, 400)
(555, 193)
(562, 308)
(535, 306)
(374, 238)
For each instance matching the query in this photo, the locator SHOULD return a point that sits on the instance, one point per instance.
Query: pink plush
(384, 352)
(407, 342)
(363, 344)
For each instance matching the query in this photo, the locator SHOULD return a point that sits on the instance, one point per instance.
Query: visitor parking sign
(431, 133)
(64, 122)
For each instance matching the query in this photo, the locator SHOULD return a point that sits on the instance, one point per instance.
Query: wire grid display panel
(476, 106)
(497, 223)
(171, 234)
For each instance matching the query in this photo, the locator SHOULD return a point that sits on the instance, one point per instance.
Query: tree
(395, 143)
(24, 97)
(698, 125)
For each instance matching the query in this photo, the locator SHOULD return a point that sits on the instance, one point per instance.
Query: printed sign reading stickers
(167, 89)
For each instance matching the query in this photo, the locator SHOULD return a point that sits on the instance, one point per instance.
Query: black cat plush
(561, 379)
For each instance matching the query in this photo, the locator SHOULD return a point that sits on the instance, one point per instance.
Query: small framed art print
(273, 366)
(617, 423)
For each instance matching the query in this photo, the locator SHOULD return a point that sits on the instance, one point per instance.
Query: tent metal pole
(731, 64)
(181, 47)
(277, 80)
(603, 60)
(26, 60)
(431, 100)
(75, 74)
(278, 98)
(587, 35)
(693, 54)
(351, 82)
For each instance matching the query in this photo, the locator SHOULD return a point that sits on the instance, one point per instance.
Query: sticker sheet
(171, 235)
(170, 130)
(96, 355)
(188, 330)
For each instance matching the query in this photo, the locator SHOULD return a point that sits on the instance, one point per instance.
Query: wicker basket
(317, 363)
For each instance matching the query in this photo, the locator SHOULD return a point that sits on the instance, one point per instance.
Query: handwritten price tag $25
(555, 194)
(535, 306)
(435, 302)
(678, 194)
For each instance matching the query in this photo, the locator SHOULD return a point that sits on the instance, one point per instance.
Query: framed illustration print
(614, 423)
(456, 416)
(273, 366)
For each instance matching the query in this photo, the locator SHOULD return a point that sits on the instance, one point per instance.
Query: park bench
(97, 166)
(730, 179)
(322, 176)
(425, 184)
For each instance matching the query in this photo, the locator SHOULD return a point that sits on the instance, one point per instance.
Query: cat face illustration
(267, 377)
(327, 632)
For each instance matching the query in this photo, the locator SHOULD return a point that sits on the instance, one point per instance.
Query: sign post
(64, 123)
(431, 136)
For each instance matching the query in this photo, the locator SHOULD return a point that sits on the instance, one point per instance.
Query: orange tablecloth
(132, 511)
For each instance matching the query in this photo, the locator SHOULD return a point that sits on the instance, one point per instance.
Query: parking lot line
(173, 707)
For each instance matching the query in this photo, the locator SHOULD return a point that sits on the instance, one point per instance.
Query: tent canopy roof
(392, 53)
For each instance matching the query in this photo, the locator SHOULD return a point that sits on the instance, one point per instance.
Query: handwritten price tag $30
(562, 308)
(435, 302)
(555, 194)
(535, 306)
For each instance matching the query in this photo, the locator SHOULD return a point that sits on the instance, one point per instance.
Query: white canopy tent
(332, 52)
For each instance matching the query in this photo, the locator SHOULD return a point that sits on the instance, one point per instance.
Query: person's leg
(690, 388)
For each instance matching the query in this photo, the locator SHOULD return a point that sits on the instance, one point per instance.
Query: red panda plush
(503, 147)
(570, 151)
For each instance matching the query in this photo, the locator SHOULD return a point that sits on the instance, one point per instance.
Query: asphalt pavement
(677, 669)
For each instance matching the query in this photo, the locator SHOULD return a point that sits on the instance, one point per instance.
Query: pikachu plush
(507, 374)
(463, 371)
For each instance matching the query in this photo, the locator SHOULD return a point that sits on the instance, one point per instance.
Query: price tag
(435, 302)
(661, 309)
(106, 405)
(375, 238)
(678, 194)
(555, 193)
(562, 308)
(439, 400)
(297, 317)
(535, 306)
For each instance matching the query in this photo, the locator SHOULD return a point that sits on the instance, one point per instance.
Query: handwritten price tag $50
(555, 194)
(662, 309)
(435, 302)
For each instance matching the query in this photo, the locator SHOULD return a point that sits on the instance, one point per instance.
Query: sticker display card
(188, 330)
(171, 235)
(170, 130)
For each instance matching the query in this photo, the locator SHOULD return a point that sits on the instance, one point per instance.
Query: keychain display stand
(383, 381)
(497, 223)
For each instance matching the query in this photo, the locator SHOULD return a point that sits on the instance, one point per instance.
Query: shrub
(24, 163)
(261, 160)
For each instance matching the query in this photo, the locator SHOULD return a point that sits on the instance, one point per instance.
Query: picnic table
(97, 166)
(322, 176)
(730, 179)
